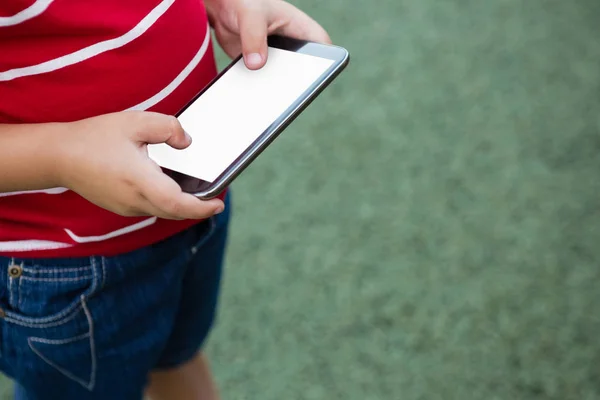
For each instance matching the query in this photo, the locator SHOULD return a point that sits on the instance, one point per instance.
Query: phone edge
(221, 185)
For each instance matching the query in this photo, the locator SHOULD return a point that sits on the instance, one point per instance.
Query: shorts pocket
(41, 295)
(67, 349)
(48, 330)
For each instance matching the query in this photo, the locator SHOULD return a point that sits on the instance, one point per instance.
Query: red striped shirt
(65, 60)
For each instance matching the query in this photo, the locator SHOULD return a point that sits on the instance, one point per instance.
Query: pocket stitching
(103, 266)
(10, 291)
(54, 320)
(92, 381)
(79, 278)
(19, 296)
(55, 270)
(203, 239)
(57, 341)
(61, 317)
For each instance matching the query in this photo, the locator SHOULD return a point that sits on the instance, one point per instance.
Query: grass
(428, 228)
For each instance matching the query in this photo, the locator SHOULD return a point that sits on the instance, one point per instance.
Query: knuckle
(137, 121)
(174, 125)
(128, 211)
(136, 117)
(203, 212)
(172, 207)
(132, 206)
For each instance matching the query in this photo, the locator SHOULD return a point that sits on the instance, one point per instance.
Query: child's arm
(29, 155)
(105, 160)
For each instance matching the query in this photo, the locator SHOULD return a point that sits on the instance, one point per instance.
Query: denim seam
(94, 276)
(79, 278)
(61, 341)
(10, 291)
(55, 270)
(19, 295)
(103, 264)
(200, 243)
(88, 315)
(55, 320)
(92, 381)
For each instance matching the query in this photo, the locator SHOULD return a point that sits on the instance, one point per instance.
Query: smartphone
(236, 116)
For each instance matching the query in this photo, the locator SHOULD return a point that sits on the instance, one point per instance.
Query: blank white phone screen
(226, 119)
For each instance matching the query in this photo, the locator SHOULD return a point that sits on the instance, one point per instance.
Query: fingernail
(188, 137)
(219, 210)
(254, 59)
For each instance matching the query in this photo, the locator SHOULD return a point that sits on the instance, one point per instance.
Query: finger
(166, 196)
(188, 206)
(154, 128)
(135, 204)
(146, 208)
(150, 209)
(253, 26)
(299, 25)
(228, 41)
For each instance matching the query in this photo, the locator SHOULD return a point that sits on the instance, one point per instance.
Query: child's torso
(64, 60)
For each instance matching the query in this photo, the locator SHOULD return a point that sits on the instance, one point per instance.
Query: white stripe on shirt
(31, 245)
(128, 229)
(58, 190)
(178, 79)
(30, 12)
(81, 55)
(90, 51)
(27, 245)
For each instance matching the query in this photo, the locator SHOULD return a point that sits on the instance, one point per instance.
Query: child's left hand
(242, 26)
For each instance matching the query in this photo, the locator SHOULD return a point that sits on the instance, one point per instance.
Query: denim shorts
(93, 328)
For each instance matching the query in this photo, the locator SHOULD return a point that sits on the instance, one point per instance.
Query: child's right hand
(105, 160)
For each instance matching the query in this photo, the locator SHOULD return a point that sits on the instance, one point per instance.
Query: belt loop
(103, 267)
(95, 276)
(99, 273)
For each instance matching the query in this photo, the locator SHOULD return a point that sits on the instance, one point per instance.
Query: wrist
(56, 153)
(32, 156)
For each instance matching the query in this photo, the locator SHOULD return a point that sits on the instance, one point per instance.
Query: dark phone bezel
(207, 190)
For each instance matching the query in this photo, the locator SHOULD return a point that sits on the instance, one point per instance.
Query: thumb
(155, 128)
(253, 34)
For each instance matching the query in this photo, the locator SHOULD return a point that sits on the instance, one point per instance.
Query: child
(109, 274)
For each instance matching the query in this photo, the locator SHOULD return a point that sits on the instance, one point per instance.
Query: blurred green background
(429, 228)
